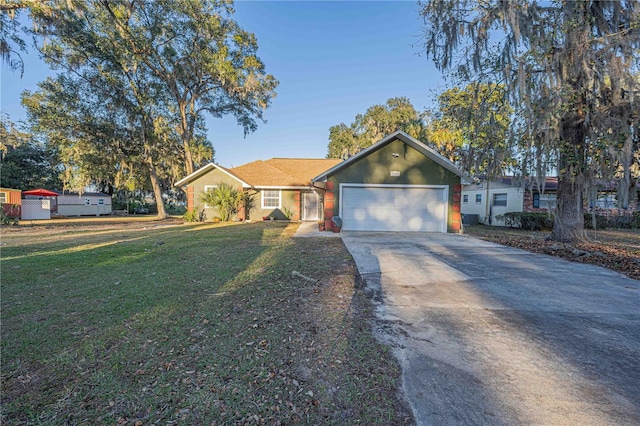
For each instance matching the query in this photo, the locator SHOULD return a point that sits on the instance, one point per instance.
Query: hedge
(618, 222)
(527, 220)
(544, 221)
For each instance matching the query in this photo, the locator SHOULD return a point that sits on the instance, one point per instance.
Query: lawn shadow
(90, 308)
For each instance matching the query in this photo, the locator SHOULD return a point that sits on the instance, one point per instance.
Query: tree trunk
(157, 191)
(624, 183)
(153, 176)
(188, 158)
(185, 136)
(569, 221)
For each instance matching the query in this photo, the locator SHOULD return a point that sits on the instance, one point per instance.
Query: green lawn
(138, 323)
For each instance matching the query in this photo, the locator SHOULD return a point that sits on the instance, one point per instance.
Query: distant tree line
(457, 128)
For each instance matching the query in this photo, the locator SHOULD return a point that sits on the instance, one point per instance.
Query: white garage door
(393, 208)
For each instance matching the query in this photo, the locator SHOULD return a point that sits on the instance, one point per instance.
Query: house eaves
(281, 187)
(400, 135)
(204, 170)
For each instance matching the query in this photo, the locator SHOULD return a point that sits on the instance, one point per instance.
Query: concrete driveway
(491, 335)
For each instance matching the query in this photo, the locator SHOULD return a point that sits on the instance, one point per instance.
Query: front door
(310, 204)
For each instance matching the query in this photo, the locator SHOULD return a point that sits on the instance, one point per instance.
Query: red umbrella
(40, 193)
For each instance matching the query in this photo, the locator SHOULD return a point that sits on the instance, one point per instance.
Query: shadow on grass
(210, 327)
(69, 310)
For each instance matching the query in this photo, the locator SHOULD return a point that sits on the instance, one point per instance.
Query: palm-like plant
(225, 199)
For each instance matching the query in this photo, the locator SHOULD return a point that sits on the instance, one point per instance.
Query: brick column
(190, 199)
(455, 217)
(297, 205)
(329, 199)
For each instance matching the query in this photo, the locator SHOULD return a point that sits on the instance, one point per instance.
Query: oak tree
(569, 71)
(207, 62)
(470, 127)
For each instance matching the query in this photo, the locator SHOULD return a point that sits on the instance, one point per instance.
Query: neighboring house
(11, 200)
(489, 199)
(396, 184)
(76, 204)
(278, 188)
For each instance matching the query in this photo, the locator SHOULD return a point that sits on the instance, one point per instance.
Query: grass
(142, 323)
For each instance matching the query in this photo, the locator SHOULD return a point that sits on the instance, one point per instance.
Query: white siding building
(85, 204)
(489, 199)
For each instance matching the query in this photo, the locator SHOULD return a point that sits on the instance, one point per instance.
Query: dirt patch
(618, 250)
(336, 346)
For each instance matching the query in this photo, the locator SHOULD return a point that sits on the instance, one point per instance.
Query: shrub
(225, 198)
(528, 221)
(288, 213)
(6, 219)
(174, 209)
(139, 207)
(601, 222)
(192, 216)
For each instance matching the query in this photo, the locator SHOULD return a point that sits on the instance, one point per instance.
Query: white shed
(85, 204)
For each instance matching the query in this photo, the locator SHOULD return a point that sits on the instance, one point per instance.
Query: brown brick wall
(456, 217)
(190, 198)
(297, 205)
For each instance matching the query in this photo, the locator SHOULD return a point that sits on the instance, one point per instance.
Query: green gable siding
(412, 167)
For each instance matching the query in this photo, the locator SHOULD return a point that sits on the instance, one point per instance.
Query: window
(478, 198)
(465, 198)
(208, 188)
(499, 199)
(3, 197)
(544, 201)
(271, 199)
(605, 201)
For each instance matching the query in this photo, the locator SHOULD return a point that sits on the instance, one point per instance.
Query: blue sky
(333, 60)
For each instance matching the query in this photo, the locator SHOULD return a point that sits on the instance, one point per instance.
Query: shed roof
(89, 194)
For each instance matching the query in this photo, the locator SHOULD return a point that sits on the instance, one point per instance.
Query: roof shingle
(283, 171)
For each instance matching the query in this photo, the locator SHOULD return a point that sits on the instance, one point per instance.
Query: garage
(396, 184)
(413, 208)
